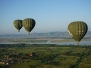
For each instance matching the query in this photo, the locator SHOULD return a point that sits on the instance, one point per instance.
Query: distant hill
(48, 34)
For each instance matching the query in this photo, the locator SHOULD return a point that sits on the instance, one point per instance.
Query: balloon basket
(78, 43)
(18, 30)
(29, 33)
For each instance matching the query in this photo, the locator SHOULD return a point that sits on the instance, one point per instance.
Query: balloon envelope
(77, 30)
(29, 24)
(18, 24)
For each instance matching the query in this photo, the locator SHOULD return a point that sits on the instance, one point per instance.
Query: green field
(46, 56)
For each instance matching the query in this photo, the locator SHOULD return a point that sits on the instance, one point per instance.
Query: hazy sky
(50, 15)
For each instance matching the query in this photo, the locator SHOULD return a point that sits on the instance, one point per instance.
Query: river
(66, 43)
(58, 43)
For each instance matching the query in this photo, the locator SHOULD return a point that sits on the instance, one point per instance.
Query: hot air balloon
(18, 24)
(29, 24)
(77, 30)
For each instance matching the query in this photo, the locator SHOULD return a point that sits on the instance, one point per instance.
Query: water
(58, 43)
(75, 43)
(66, 43)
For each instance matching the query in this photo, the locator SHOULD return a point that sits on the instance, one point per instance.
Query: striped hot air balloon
(18, 24)
(29, 24)
(77, 30)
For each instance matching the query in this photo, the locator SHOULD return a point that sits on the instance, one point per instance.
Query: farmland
(45, 56)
